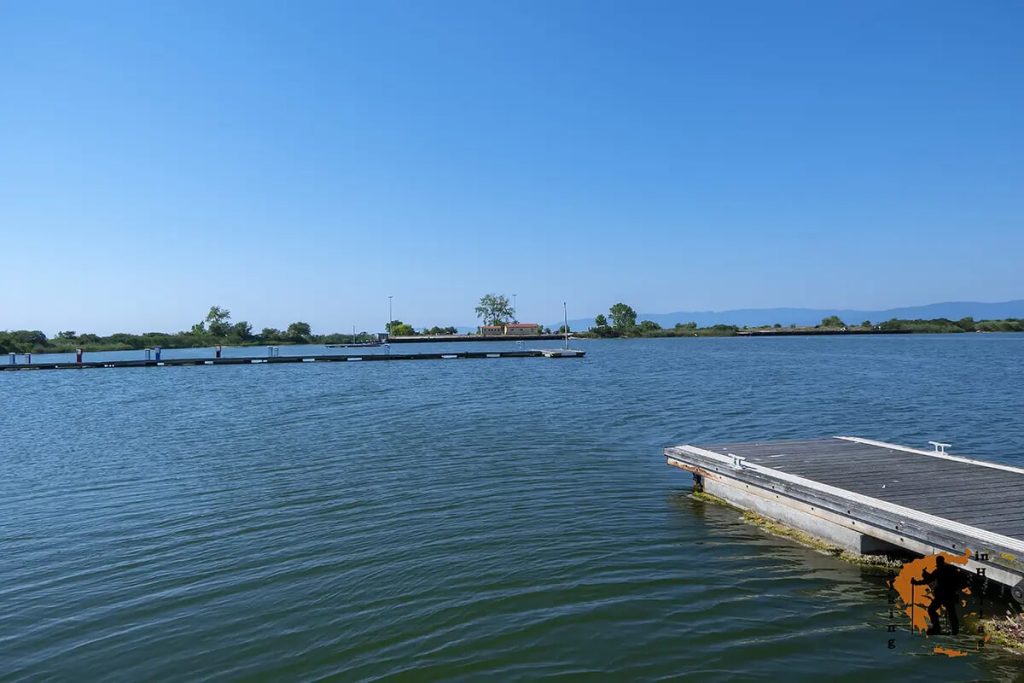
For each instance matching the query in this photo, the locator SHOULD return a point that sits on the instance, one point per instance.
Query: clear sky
(303, 161)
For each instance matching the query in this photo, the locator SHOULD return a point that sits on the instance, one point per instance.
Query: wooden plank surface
(984, 497)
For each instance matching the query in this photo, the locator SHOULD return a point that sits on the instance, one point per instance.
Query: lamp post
(515, 318)
(390, 315)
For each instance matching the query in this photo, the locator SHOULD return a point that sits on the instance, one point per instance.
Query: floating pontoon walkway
(333, 358)
(870, 496)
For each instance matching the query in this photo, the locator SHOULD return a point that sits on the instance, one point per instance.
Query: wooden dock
(275, 359)
(875, 497)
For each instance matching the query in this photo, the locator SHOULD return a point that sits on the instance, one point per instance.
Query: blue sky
(303, 161)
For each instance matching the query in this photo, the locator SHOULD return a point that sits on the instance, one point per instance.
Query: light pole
(514, 316)
(390, 315)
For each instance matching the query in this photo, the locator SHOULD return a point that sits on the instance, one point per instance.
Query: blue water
(461, 519)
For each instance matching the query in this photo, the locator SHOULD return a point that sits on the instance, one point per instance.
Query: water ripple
(511, 519)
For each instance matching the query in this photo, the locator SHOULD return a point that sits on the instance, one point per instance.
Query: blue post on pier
(157, 352)
(14, 359)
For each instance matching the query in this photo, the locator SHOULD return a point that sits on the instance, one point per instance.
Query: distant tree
(686, 326)
(242, 330)
(217, 321)
(397, 328)
(777, 325)
(66, 334)
(966, 324)
(270, 334)
(866, 323)
(29, 338)
(649, 326)
(832, 321)
(623, 318)
(299, 331)
(198, 329)
(494, 309)
(601, 327)
(8, 344)
(435, 330)
(562, 329)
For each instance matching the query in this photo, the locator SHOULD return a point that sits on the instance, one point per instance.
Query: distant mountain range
(954, 310)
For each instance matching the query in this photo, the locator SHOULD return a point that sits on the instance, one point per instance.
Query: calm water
(456, 519)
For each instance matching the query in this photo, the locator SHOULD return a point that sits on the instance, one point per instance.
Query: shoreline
(441, 339)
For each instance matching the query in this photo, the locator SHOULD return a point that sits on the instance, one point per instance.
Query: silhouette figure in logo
(946, 593)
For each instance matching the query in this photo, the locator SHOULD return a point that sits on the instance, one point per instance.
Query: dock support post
(147, 354)
(14, 358)
(28, 358)
(156, 352)
(218, 350)
(78, 356)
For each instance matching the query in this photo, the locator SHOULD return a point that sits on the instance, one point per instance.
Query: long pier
(446, 338)
(275, 359)
(875, 497)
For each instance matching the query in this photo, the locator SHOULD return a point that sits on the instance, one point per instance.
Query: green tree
(299, 331)
(866, 323)
(832, 321)
(966, 324)
(397, 328)
(28, 339)
(270, 334)
(242, 330)
(217, 321)
(66, 334)
(623, 318)
(649, 326)
(494, 309)
(601, 328)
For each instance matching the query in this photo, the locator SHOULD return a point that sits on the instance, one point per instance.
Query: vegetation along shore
(621, 321)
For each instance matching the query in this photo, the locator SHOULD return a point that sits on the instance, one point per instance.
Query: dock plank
(964, 492)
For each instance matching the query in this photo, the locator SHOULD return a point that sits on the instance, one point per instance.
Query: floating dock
(875, 497)
(275, 359)
(446, 338)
